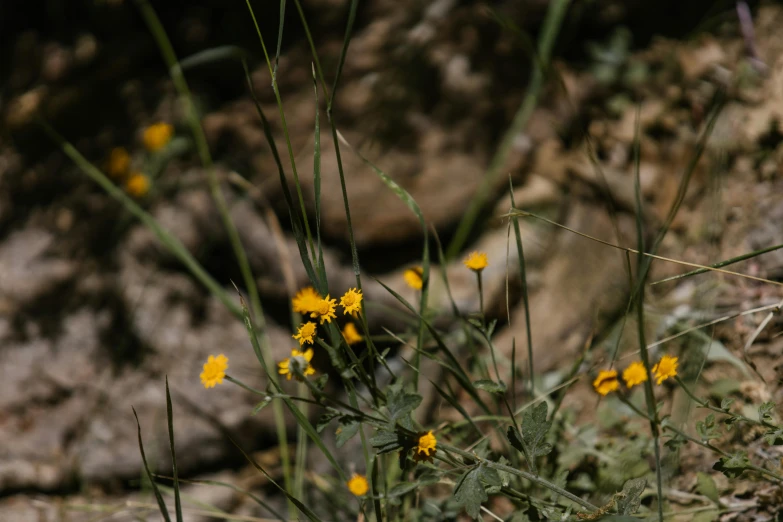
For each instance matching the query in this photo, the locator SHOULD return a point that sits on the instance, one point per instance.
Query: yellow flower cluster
(309, 301)
(358, 485)
(351, 334)
(302, 359)
(137, 185)
(157, 136)
(425, 447)
(214, 370)
(476, 261)
(118, 165)
(413, 277)
(607, 381)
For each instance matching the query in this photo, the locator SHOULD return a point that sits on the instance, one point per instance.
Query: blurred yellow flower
(324, 309)
(425, 447)
(606, 382)
(413, 276)
(214, 370)
(305, 300)
(157, 136)
(351, 301)
(119, 162)
(351, 334)
(138, 185)
(303, 358)
(476, 261)
(358, 485)
(634, 374)
(305, 333)
(666, 367)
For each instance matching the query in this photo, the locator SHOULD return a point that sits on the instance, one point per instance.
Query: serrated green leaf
(706, 486)
(765, 411)
(401, 403)
(707, 430)
(733, 465)
(325, 419)
(629, 499)
(490, 386)
(535, 427)
(505, 476)
(403, 488)
(774, 437)
(469, 492)
(345, 432)
(385, 441)
(513, 437)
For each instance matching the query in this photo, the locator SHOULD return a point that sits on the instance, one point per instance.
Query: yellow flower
(352, 336)
(138, 185)
(425, 448)
(214, 370)
(351, 301)
(302, 359)
(476, 261)
(324, 309)
(305, 300)
(119, 162)
(358, 485)
(666, 367)
(606, 382)
(157, 136)
(634, 374)
(305, 333)
(413, 276)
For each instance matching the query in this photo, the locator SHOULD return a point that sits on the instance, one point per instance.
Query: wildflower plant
(419, 467)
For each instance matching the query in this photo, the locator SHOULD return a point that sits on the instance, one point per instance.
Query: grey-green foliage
(530, 440)
(470, 491)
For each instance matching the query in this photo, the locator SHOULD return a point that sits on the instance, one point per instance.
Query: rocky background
(94, 312)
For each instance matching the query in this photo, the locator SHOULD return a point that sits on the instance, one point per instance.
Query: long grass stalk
(178, 78)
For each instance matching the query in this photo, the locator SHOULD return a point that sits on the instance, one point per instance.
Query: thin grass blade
(158, 497)
(170, 421)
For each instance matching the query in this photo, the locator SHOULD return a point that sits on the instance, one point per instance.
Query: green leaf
(774, 437)
(469, 492)
(346, 431)
(325, 419)
(733, 465)
(505, 476)
(513, 438)
(490, 386)
(726, 403)
(401, 489)
(530, 441)
(707, 487)
(629, 499)
(707, 429)
(401, 403)
(386, 441)
(765, 411)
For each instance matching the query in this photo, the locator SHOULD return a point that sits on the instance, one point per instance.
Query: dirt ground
(94, 312)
